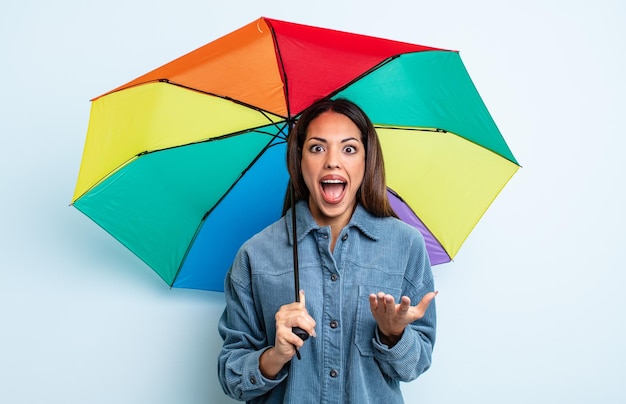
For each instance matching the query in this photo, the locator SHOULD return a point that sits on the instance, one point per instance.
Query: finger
(405, 304)
(306, 322)
(373, 302)
(288, 345)
(425, 302)
(390, 304)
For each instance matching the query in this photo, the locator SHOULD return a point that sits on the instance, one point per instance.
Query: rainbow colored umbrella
(186, 162)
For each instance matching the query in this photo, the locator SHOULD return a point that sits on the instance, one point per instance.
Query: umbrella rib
(224, 97)
(243, 173)
(250, 106)
(371, 70)
(252, 163)
(217, 138)
(443, 131)
(108, 175)
(416, 129)
(282, 69)
(426, 227)
(365, 73)
(226, 136)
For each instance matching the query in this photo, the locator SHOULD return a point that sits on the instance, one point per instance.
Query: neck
(336, 223)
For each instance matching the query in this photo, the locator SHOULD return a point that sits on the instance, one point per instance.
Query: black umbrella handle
(296, 275)
(303, 335)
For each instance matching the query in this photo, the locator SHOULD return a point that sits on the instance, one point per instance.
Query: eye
(350, 149)
(316, 148)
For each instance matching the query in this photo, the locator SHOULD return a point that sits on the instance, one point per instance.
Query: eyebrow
(319, 139)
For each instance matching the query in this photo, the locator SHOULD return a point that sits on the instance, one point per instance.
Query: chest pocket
(365, 324)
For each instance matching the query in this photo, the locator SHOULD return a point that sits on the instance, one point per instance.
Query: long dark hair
(372, 194)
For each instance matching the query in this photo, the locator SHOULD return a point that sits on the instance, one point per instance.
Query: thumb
(302, 298)
(425, 302)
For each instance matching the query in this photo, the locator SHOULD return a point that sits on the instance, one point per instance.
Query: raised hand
(393, 318)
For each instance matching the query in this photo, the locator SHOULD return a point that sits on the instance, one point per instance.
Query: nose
(332, 159)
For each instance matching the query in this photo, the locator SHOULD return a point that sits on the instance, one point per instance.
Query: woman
(356, 258)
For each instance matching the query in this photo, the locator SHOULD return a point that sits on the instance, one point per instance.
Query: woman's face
(333, 165)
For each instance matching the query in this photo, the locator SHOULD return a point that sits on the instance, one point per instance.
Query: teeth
(332, 182)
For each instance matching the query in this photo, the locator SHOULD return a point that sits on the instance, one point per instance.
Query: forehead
(332, 124)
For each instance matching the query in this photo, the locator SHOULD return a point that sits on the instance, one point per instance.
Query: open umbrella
(186, 162)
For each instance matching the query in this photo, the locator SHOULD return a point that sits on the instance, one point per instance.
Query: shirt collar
(361, 219)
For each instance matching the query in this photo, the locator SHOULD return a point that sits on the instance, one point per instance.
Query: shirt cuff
(400, 350)
(254, 379)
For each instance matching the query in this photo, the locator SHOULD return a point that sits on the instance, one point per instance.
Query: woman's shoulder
(401, 229)
(258, 247)
(272, 234)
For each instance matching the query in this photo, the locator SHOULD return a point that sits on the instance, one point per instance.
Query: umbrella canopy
(186, 162)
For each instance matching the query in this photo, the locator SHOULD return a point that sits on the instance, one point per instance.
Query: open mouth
(333, 190)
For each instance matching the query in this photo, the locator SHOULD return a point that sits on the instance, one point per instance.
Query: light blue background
(531, 311)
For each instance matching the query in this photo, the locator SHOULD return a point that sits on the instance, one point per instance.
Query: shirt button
(345, 237)
(252, 379)
(334, 324)
(334, 373)
(334, 277)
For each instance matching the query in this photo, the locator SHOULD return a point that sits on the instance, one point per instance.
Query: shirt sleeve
(412, 355)
(244, 342)
(406, 360)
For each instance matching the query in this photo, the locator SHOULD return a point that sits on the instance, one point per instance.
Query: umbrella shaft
(296, 274)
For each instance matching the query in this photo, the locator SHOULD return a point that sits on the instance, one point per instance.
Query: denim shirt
(345, 362)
